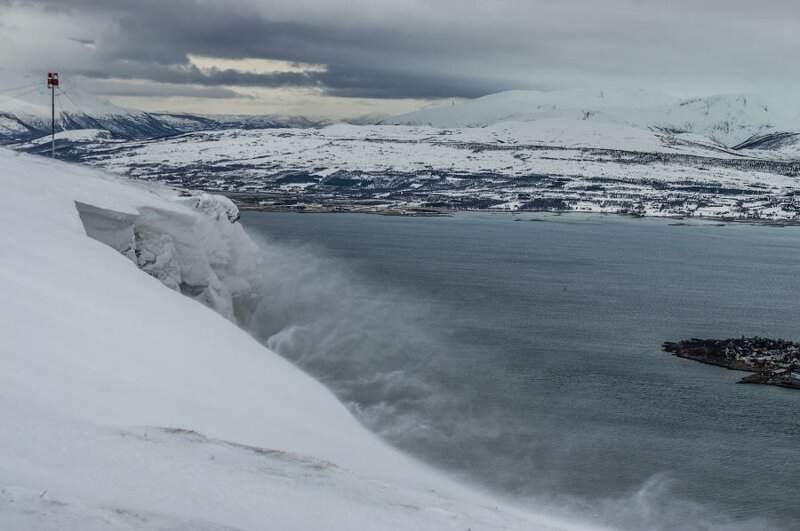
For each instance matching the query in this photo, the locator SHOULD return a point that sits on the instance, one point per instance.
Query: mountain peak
(728, 119)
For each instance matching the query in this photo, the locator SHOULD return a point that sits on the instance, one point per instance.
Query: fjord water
(523, 353)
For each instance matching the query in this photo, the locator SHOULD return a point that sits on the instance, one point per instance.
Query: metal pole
(53, 121)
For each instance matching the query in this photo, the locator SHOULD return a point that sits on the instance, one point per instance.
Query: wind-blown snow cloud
(414, 50)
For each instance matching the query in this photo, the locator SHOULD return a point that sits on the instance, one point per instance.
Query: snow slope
(25, 113)
(126, 405)
(777, 146)
(186, 123)
(727, 119)
(526, 105)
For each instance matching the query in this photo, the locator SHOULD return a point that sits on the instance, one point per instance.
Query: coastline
(772, 362)
(681, 220)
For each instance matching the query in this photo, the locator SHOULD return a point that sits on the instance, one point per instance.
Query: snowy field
(127, 405)
(554, 164)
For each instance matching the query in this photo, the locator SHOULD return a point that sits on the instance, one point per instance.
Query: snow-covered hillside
(186, 123)
(25, 112)
(727, 119)
(126, 405)
(555, 164)
(630, 152)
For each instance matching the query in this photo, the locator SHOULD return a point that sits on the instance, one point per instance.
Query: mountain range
(730, 120)
(736, 120)
(25, 114)
(631, 152)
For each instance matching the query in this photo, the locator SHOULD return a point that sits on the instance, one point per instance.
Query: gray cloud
(336, 80)
(85, 42)
(116, 87)
(437, 49)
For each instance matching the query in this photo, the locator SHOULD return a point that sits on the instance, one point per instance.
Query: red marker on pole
(52, 83)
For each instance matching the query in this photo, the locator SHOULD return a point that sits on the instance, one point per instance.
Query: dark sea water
(525, 355)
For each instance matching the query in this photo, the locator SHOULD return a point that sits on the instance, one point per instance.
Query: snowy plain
(127, 405)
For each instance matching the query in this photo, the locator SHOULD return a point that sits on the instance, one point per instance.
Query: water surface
(525, 355)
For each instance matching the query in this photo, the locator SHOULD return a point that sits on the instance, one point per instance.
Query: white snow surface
(726, 119)
(73, 135)
(126, 405)
(586, 165)
(26, 107)
(35, 102)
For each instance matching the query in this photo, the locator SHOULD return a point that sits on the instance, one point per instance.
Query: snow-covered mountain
(25, 113)
(779, 146)
(127, 405)
(186, 123)
(630, 152)
(555, 164)
(728, 119)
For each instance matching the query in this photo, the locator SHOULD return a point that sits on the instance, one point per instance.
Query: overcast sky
(352, 57)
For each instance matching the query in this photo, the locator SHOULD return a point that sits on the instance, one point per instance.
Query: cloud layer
(412, 48)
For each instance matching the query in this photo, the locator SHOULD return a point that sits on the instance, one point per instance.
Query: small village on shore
(774, 361)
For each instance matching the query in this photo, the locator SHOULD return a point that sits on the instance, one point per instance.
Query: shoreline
(441, 213)
(772, 362)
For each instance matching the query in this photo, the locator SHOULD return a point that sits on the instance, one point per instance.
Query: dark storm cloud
(115, 87)
(374, 82)
(151, 40)
(434, 49)
(346, 81)
(191, 74)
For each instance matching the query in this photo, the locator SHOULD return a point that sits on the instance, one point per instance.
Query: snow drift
(127, 405)
(206, 257)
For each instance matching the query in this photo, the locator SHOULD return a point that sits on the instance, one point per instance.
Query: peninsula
(774, 361)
